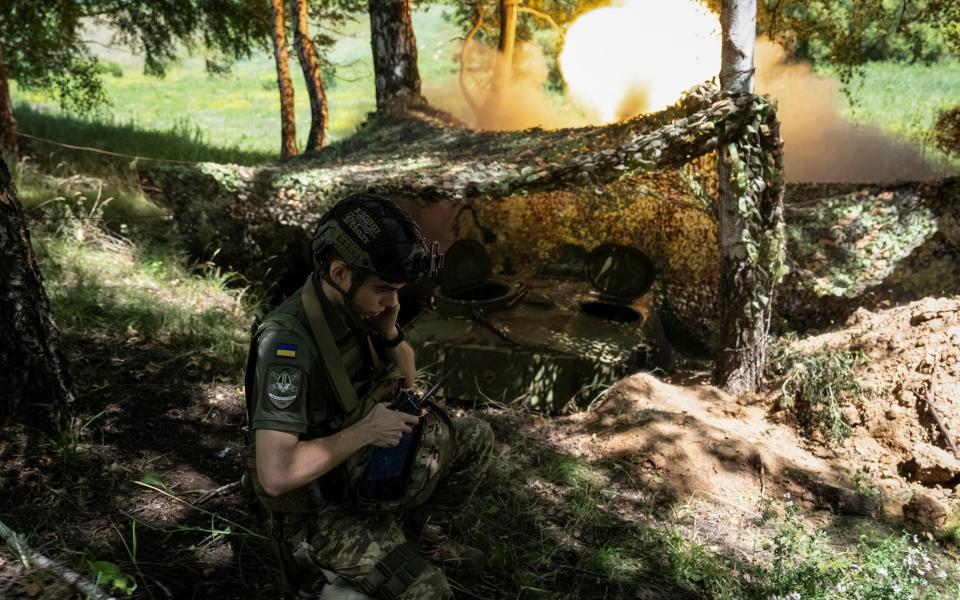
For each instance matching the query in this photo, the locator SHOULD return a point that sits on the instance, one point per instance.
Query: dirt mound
(695, 441)
(895, 436)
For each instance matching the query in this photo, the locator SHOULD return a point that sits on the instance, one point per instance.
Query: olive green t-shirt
(292, 392)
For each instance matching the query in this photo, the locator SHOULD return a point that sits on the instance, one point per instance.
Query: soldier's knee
(476, 437)
(430, 585)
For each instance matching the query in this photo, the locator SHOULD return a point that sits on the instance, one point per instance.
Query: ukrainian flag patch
(287, 350)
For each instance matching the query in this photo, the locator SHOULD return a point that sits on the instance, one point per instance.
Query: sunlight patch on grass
(59, 199)
(145, 294)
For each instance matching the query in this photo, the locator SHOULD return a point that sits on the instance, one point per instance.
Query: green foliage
(110, 574)
(140, 295)
(849, 33)
(565, 469)
(184, 140)
(947, 131)
(804, 565)
(109, 67)
(44, 48)
(814, 384)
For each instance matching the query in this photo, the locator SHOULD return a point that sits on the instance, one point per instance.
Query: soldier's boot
(451, 556)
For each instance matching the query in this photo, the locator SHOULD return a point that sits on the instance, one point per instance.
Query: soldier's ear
(340, 273)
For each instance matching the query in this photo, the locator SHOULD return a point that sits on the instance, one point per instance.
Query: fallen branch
(39, 561)
(216, 492)
(931, 395)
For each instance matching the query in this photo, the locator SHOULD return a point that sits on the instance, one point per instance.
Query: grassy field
(239, 112)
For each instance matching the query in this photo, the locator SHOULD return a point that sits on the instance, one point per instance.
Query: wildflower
(882, 571)
(942, 574)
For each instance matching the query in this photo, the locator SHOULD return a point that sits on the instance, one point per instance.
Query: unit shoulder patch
(283, 385)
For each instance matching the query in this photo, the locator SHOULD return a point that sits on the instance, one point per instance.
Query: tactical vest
(329, 412)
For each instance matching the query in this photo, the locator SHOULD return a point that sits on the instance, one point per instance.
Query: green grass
(64, 193)
(145, 296)
(555, 531)
(235, 117)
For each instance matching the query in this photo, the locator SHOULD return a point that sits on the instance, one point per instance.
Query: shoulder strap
(332, 362)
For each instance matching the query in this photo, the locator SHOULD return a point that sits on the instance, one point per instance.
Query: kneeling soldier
(319, 393)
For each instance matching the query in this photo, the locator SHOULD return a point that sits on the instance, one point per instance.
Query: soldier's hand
(386, 426)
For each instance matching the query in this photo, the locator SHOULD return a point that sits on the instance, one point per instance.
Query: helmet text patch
(362, 226)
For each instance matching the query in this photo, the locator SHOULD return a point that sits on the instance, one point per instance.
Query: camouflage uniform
(288, 390)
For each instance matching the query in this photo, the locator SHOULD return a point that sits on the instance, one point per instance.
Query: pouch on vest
(428, 462)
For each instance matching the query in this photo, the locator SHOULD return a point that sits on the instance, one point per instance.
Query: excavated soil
(895, 436)
(689, 440)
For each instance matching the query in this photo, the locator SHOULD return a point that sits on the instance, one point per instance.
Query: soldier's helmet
(375, 235)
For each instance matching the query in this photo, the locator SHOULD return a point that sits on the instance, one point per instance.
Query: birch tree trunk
(288, 116)
(9, 141)
(311, 74)
(394, 54)
(743, 321)
(738, 22)
(37, 387)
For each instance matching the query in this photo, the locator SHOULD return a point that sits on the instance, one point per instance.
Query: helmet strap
(348, 295)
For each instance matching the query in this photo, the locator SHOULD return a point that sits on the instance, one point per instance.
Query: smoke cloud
(522, 104)
(820, 146)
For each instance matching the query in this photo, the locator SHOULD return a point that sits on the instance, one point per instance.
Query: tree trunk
(9, 135)
(745, 304)
(738, 22)
(288, 116)
(311, 74)
(37, 387)
(394, 54)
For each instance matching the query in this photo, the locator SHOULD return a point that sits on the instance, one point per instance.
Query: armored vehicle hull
(542, 351)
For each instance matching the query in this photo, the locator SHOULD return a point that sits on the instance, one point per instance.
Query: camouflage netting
(869, 246)
(638, 182)
(649, 182)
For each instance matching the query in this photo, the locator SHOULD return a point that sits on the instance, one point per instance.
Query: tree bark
(743, 320)
(9, 134)
(288, 116)
(738, 22)
(37, 384)
(394, 54)
(311, 74)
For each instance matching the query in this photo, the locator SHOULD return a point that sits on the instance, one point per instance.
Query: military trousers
(351, 543)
